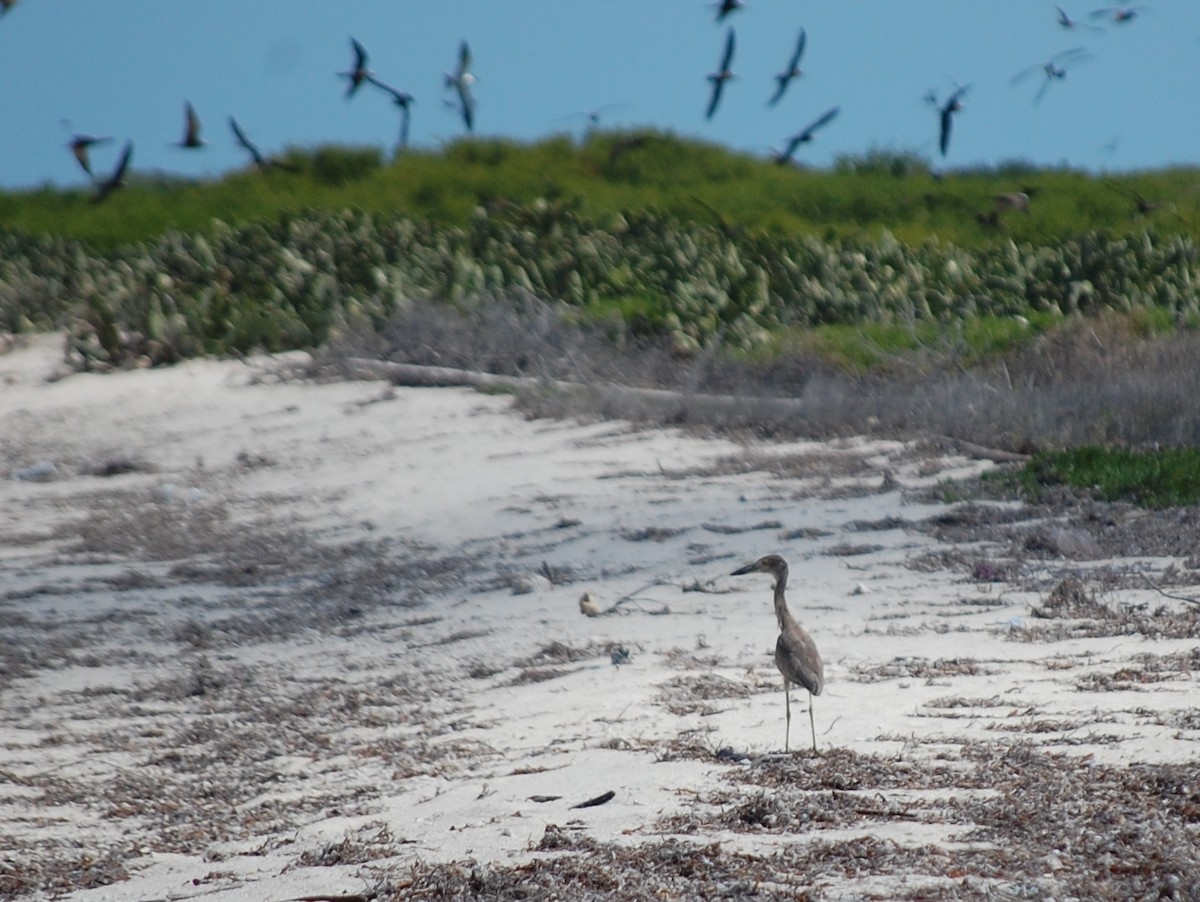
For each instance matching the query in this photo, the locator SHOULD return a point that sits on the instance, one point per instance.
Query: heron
(796, 654)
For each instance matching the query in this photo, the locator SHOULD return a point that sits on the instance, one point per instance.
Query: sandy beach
(268, 637)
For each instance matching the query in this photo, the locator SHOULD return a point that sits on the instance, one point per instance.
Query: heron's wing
(798, 660)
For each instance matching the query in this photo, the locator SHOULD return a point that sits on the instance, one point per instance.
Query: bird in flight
(404, 101)
(784, 78)
(805, 135)
(191, 129)
(1067, 22)
(80, 145)
(117, 179)
(1121, 15)
(461, 79)
(721, 76)
(360, 73)
(946, 115)
(260, 161)
(1054, 69)
(725, 7)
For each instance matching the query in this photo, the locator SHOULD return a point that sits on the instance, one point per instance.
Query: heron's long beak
(749, 568)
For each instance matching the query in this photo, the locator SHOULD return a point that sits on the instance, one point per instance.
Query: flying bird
(6, 5)
(1053, 69)
(721, 76)
(404, 101)
(1121, 15)
(360, 73)
(117, 179)
(80, 145)
(946, 115)
(461, 79)
(796, 654)
(191, 129)
(725, 7)
(784, 78)
(1067, 22)
(805, 135)
(260, 162)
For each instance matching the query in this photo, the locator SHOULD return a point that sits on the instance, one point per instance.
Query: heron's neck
(782, 614)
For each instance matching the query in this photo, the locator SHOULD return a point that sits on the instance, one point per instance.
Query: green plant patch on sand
(1166, 477)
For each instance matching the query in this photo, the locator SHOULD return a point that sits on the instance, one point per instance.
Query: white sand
(463, 475)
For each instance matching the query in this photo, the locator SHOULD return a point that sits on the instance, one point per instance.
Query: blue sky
(125, 67)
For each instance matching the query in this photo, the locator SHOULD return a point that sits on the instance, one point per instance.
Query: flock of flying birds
(1054, 69)
(462, 79)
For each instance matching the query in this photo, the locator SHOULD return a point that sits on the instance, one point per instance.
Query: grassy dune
(612, 172)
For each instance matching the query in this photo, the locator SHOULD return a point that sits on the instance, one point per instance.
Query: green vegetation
(609, 173)
(877, 269)
(1152, 478)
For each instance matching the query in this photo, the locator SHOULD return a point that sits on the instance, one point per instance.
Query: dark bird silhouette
(1141, 204)
(461, 79)
(6, 5)
(191, 129)
(796, 654)
(722, 75)
(946, 114)
(805, 135)
(1120, 15)
(784, 78)
(725, 7)
(359, 73)
(260, 162)
(80, 145)
(404, 101)
(117, 179)
(1067, 22)
(1054, 69)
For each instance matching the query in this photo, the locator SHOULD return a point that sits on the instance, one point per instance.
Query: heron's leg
(812, 721)
(787, 700)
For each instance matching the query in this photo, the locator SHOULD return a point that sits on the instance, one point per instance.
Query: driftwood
(441, 376)
(730, 405)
